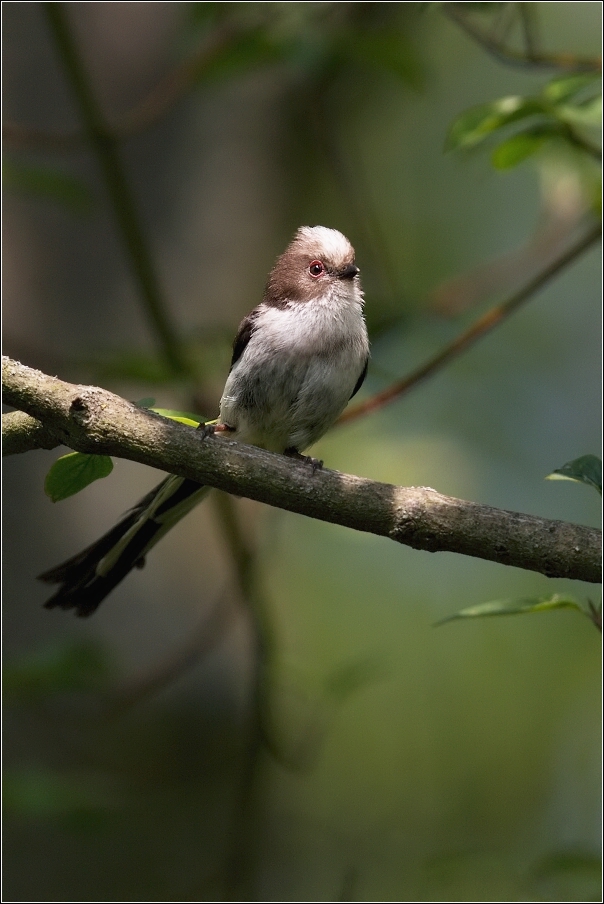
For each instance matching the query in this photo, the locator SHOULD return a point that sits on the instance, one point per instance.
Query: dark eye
(316, 268)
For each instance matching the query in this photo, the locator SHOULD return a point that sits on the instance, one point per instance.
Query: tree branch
(157, 103)
(529, 58)
(483, 325)
(105, 148)
(22, 433)
(90, 419)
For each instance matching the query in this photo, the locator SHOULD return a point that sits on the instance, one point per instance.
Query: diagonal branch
(90, 419)
(483, 325)
(529, 58)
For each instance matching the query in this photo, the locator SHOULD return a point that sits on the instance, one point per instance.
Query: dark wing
(244, 334)
(361, 379)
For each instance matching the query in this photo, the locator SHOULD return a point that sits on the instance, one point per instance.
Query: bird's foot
(315, 463)
(212, 428)
(206, 430)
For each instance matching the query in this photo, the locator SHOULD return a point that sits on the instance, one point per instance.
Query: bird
(298, 358)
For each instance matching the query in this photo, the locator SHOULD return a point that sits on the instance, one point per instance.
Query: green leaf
(183, 417)
(74, 471)
(587, 469)
(588, 114)
(517, 148)
(49, 183)
(515, 607)
(477, 123)
(561, 89)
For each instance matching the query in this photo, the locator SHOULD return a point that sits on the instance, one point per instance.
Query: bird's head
(318, 264)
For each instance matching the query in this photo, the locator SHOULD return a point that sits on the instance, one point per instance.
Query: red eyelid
(319, 265)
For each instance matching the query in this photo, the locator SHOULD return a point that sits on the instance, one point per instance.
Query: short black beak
(349, 272)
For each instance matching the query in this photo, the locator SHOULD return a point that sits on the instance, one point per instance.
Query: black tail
(87, 578)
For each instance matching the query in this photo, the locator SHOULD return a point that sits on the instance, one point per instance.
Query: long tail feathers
(88, 577)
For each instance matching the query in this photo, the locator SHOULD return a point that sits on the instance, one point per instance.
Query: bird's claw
(206, 430)
(213, 428)
(315, 463)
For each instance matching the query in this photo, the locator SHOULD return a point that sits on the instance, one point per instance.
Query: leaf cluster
(568, 110)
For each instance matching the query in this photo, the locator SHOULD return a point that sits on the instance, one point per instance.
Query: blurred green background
(399, 761)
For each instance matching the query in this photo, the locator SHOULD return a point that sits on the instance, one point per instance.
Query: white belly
(295, 376)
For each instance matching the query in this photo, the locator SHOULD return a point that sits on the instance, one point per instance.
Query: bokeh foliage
(371, 757)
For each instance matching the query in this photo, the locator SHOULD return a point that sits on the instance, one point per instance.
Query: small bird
(298, 358)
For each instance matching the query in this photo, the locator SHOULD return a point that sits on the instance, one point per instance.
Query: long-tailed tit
(297, 360)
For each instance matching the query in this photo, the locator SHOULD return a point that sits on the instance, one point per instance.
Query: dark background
(408, 762)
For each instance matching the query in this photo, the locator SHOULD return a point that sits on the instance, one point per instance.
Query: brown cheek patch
(290, 280)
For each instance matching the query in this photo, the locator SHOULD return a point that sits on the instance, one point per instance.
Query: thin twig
(105, 147)
(350, 880)
(529, 29)
(595, 614)
(504, 22)
(487, 322)
(242, 556)
(202, 641)
(243, 829)
(514, 57)
(174, 86)
(574, 138)
(160, 99)
(244, 561)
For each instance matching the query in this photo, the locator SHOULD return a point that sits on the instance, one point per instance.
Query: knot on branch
(79, 412)
(87, 406)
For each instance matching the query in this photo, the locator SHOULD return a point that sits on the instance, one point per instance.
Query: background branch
(528, 58)
(483, 325)
(105, 147)
(156, 104)
(90, 419)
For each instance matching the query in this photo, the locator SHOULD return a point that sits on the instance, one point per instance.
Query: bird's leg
(315, 463)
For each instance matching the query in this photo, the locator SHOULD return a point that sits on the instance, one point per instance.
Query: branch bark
(90, 419)
(22, 433)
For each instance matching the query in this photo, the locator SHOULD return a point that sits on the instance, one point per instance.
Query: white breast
(297, 372)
